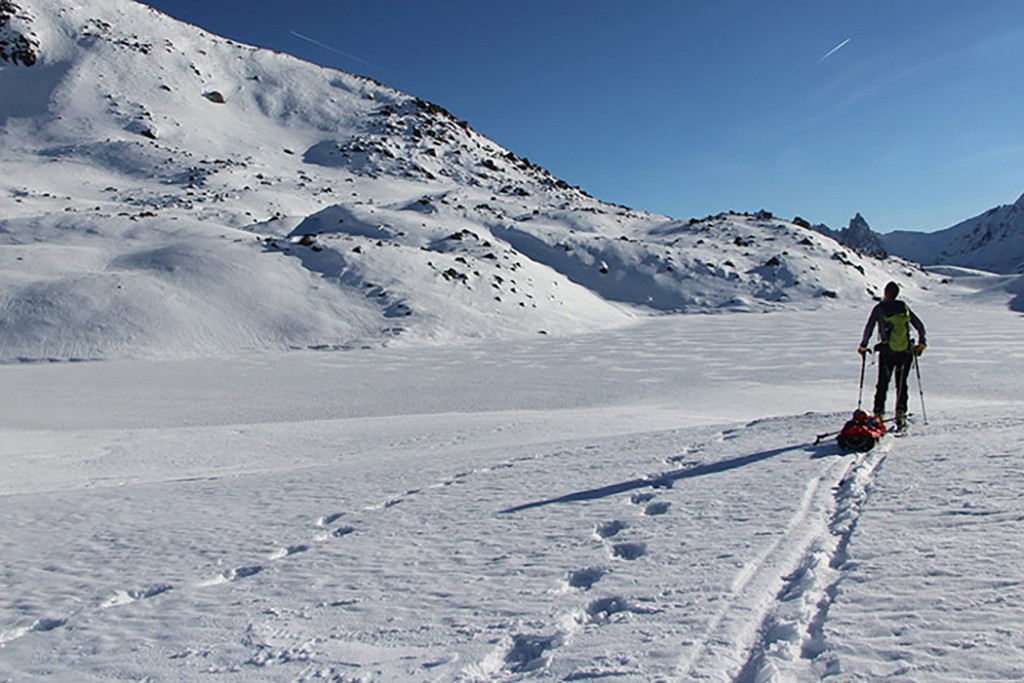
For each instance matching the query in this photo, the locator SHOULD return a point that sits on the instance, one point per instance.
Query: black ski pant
(892, 363)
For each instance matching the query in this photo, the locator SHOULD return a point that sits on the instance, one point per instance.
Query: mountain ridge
(168, 192)
(991, 241)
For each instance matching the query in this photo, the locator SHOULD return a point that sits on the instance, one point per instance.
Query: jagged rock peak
(858, 235)
(858, 225)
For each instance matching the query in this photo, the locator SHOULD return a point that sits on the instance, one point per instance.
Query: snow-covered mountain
(643, 503)
(993, 241)
(167, 192)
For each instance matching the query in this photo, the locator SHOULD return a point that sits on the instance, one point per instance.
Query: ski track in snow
(748, 590)
(592, 504)
(793, 628)
(710, 551)
(748, 621)
(760, 632)
(531, 652)
(519, 652)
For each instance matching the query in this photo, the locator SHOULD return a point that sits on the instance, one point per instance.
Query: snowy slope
(644, 504)
(993, 241)
(630, 497)
(165, 192)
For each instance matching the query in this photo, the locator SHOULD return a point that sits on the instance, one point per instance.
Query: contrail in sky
(834, 50)
(337, 51)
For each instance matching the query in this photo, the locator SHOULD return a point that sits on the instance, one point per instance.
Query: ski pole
(860, 392)
(920, 388)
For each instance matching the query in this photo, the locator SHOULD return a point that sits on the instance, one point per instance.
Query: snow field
(934, 588)
(640, 505)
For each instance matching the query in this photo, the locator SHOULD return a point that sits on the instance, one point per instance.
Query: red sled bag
(861, 433)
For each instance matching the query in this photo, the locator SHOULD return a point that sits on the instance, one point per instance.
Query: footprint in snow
(585, 579)
(629, 551)
(684, 455)
(150, 591)
(641, 498)
(530, 652)
(233, 575)
(659, 508)
(389, 503)
(603, 609)
(38, 626)
(290, 550)
(609, 529)
(327, 520)
(44, 625)
(125, 597)
(242, 572)
(433, 664)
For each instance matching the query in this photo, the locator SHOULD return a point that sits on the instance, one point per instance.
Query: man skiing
(895, 350)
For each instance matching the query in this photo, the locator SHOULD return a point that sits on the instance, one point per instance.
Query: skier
(895, 349)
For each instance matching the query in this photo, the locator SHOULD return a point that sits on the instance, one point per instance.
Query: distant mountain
(858, 236)
(993, 241)
(166, 192)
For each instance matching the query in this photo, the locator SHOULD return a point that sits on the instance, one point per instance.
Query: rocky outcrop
(18, 45)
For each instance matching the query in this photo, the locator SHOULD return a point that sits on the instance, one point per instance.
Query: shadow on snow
(666, 479)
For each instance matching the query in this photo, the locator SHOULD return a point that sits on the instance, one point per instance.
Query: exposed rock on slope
(164, 191)
(18, 44)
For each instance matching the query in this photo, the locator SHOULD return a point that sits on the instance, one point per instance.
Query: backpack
(861, 433)
(897, 330)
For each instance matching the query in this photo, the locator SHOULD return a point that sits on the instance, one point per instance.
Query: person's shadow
(667, 479)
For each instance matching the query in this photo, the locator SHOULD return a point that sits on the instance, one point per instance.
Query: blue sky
(692, 107)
